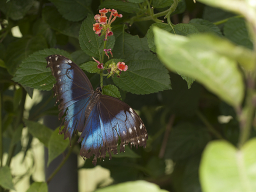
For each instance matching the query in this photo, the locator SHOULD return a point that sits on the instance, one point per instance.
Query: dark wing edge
(119, 122)
(81, 85)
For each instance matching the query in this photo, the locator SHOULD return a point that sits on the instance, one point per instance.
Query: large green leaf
(51, 16)
(206, 58)
(225, 168)
(20, 49)
(38, 187)
(6, 178)
(186, 139)
(120, 6)
(73, 10)
(142, 186)
(40, 27)
(127, 44)
(145, 74)
(91, 43)
(111, 90)
(16, 9)
(39, 131)
(56, 145)
(244, 7)
(235, 30)
(33, 72)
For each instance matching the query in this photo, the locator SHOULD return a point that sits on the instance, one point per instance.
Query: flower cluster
(103, 24)
(117, 68)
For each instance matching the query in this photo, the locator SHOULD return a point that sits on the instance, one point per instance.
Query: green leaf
(225, 168)
(2, 64)
(142, 186)
(112, 91)
(6, 178)
(39, 131)
(162, 3)
(73, 10)
(145, 75)
(42, 28)
(91, 67)
(204, 26)
(180, 29)
(204, 57)
(120, 6)
(127, 44)
(136, 1)
(181, 100)
(51, 16)
(235, 30)
(17, 135)
(90, 42)
(33, 72)
(17, 98)
(80, 57)
(243, 7)
(56, 145)
(38, 187)
(16, 9)
(213, 14)
(186, 139)
(189, 80)
(127, 153)
(191, 175)
(20, 49)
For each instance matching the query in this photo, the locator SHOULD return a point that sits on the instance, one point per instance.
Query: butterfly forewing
(73, 90)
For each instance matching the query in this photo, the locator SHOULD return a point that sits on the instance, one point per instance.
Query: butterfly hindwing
(73, 90)
(109, 121)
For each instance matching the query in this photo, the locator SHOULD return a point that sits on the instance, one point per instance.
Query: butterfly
(102, 120)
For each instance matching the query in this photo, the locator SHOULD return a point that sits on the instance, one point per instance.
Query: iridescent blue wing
(73, 90)
(109, 121)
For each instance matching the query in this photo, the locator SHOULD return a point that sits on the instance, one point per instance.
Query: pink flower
(106, 52)
(97, 28)
(110, 33)
(100, 66)
(97, 17)
(103, 11)
(103, 20)
(121, 66)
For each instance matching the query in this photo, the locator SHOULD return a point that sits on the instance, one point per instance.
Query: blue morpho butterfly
(102, 119)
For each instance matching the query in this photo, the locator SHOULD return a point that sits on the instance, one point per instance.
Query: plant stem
(16, 124)
(1, 133)
(154, 16)
(208, 125)
(101, 61)
(166, 135)
(225, 20)
(63, 161)
(245, 127)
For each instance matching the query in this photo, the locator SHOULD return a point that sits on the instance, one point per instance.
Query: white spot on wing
(69, 61)
(56, 58)
(138, 141)
(66, 61)
(58, 65)
(58, 72)
(141, 126)
(59, 79)
(124, 132)
(143, 139)
(134, 128)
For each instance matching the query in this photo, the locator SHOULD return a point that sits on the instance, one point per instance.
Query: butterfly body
(103, 120)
